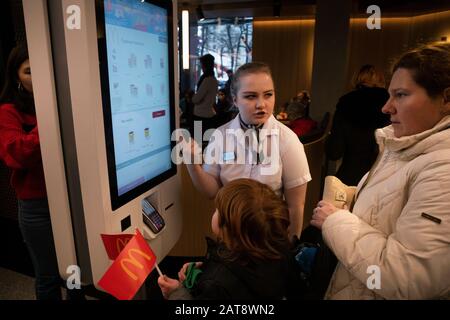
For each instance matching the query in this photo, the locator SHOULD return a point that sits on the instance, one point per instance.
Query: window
(228, 40)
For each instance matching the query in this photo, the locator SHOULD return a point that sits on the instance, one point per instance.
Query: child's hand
(182, 272)
(167, 285)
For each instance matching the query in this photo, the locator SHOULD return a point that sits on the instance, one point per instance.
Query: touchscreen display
(139, 73)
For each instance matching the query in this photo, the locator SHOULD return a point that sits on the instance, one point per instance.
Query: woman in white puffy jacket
(395, 242)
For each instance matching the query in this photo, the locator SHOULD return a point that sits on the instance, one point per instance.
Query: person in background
(186, 100)
(358, 114)
(254, 95)
(250, 257)
(222, 108)
(298, 122)
(205, 97)
(282, 115)
(395, 241)
(20, 150)
(187, 107)
(304, 97)
(227, 86)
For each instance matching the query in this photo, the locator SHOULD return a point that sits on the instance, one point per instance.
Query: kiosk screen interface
(138, 97)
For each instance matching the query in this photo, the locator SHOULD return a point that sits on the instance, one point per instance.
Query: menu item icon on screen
(131, 137)
(132, 61)
(148, 62)
(133, 90)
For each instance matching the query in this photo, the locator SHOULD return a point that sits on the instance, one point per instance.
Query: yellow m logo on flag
(134, 262)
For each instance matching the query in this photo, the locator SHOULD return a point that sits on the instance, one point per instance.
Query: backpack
(316, 263)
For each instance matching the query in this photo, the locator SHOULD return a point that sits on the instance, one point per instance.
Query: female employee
(255, 145)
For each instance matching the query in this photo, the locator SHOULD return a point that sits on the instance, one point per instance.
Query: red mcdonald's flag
(129, 271)
(114, 243)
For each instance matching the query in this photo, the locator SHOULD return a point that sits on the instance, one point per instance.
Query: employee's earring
(20, 87)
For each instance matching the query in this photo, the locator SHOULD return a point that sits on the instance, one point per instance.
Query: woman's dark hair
(430, 68)
(253, 221)
(22, 99)
(207, 62)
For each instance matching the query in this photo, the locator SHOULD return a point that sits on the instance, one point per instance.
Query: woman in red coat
(20, 151)
(299, 122)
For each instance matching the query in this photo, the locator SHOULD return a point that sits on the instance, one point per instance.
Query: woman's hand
(321, 213)
(191, 151)
(182, 272)
(168, 285)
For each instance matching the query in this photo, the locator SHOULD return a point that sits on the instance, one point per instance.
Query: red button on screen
(158, 114)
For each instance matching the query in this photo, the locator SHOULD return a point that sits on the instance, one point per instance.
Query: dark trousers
(34, 222)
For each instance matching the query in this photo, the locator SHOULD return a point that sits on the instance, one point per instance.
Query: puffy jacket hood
(414, 145)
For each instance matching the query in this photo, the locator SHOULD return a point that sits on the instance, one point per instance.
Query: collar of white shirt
(270, 128)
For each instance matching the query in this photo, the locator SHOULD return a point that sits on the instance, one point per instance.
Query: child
(250, 258)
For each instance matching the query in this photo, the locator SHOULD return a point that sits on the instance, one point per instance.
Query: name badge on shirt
(227, 156)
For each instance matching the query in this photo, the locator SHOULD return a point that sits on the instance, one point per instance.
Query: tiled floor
(17, 276)
(15, 286)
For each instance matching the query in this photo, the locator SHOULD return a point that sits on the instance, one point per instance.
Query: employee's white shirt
(282, 164)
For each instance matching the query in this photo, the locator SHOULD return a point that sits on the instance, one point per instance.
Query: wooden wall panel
(197, 213)
(430, 27)
(382, 47)
(376, 47)
(287, 46)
